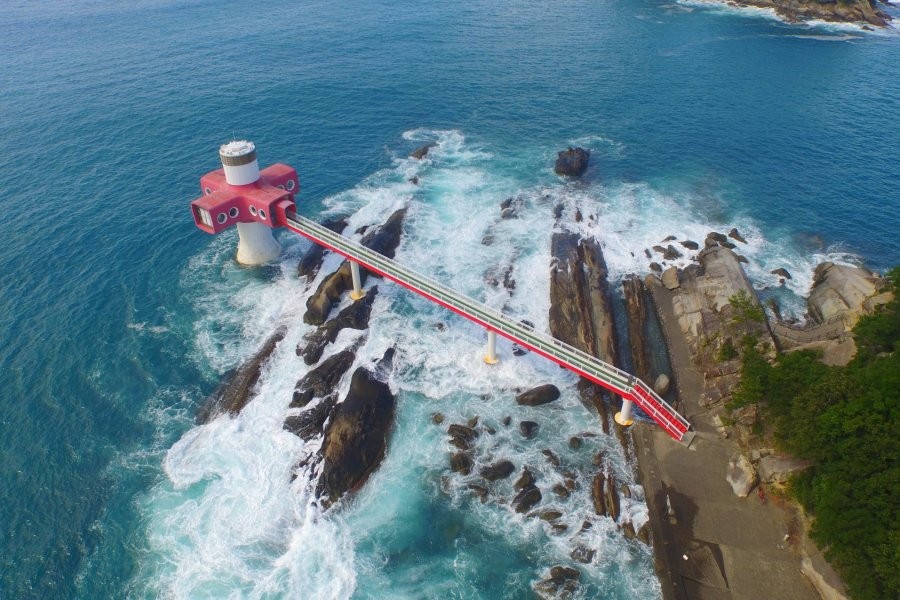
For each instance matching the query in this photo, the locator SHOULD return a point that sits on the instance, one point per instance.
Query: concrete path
(711, 544)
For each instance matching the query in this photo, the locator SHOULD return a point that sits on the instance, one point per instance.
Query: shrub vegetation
(846, 420)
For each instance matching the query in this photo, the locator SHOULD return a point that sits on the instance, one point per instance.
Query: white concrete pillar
(491, 356)
(257, 246)
(623, 417)
(357, 292)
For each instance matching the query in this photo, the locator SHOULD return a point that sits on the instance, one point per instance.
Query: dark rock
(461, 463)
(234, 395)
(559, 528)
(552, 458)
(560, 572)
(437, 418)
(718, 237)
(386, 238)
(506, 204)
(612, 499)
(598, 495)
(572, 162)
(647, 253)
(560, 490)
(488, 239)
(558, 211)
(319, 304)
(659, 249)
(742, 259)
(526, 499)
(480, 491)
(508, 213)
(690, 245)
(669, 238)
(671, 253)
(498, 470)
(525, 481)
(414, 180)
(322, 381)
(582, 554)
(422, 151)
(575, 442)
(461, 431)
(506, 421)
(356, 437)
(472, 422)
(550, 515)
(578, 217)
(309, 423)
(656, 267)
(733, 234)
(528, 429)
(709, 243)
(542, 394)
(311, 261)
(460, 443)
(728, 245)
(781, 272)
(353, 316)
(628, 530)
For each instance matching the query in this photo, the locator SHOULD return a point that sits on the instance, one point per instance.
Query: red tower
(240, 194)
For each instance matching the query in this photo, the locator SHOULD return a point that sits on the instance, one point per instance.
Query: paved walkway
(735, 547)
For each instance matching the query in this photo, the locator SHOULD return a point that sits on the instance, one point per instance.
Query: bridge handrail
(492, 318)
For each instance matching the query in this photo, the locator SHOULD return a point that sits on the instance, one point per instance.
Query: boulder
(543, 394)
(733, 234)
(526, 499)
(661, 385)
(550, 515)
(716, 236)
(357, 435)
(671, 253)
(841, 290)
(669, 238)
(741, 475)
(480, 491)
(528, 429)
(575, 442)
(612, 499)
(463, 432)
(560, 490)
(234, 394)
(562, 583)
(670, 278)
(572, 162)
(437, 418)
(628, 530)
(499, 470)
(690, 245)
(656, 267)
(525, 481)
(643, 534)
(508, 213)
(582, 554)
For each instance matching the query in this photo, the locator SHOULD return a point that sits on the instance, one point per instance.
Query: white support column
(623, 417)
(357, 292)
(491, 356)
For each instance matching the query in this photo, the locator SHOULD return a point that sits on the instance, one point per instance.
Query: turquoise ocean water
(118, 316)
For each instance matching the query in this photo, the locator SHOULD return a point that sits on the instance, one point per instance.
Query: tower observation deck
(283, 214)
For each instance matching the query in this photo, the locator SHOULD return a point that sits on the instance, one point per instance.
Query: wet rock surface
(357, 434)
(323, 380)
(543, 394)
(572, 162)
(311, 261)
(499, 470)
(233, 395)
(353, 316)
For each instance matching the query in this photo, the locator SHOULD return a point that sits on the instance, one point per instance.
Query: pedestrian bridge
(631, 389)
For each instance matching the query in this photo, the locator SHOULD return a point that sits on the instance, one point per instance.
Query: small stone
(437, 418)
(669, 238)
(506, 421)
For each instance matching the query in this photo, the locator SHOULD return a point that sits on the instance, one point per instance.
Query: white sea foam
(227, 520)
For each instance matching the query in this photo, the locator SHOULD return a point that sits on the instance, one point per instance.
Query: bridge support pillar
(623, 417)
(491, 356)
(357, 292)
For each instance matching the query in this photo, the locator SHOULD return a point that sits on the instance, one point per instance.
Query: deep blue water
(110, 324)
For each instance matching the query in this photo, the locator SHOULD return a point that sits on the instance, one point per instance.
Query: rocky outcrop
(323, 380)
(384, 240)
(741, 475)
(845, 291)
(562, 583)
(580, 305)
(357, 435)
(499, 470)
(234, 394)
(572, 162)
(422, 151)
(637, 299)
(702, 305)
(353, 316)
(839, 11)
